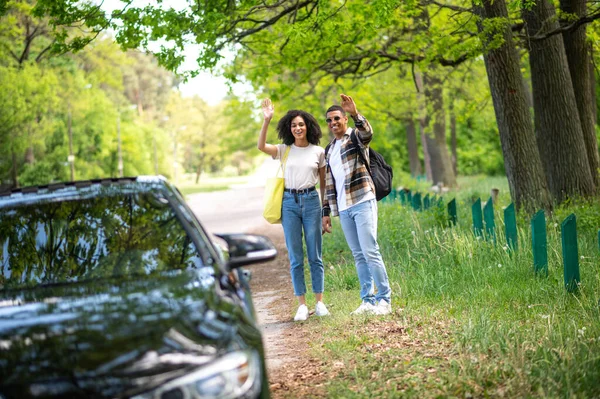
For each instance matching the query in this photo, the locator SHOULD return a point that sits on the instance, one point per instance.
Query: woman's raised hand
(268, 109)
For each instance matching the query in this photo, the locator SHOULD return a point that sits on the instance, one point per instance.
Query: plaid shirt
(358, 180)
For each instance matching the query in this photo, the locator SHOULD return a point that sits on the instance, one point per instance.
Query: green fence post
(416, 201)
(402, 197)
(477, 218)
(426, 202)
(409, 197)
(510, 223)
(540, 244)
(598, 239)
(488, 216)
(390, 197)
(452, 216)
(568, 231)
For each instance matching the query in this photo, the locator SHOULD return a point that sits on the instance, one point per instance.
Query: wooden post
(119, 151)
(494, 194)
(71, 157)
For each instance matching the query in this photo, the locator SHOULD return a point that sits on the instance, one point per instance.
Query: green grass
(475, 321)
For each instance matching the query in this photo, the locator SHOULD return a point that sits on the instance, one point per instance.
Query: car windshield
(75, 240)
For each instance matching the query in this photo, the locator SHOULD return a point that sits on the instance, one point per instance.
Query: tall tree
(146, 84)
(579, 59)
(413, 148)
(557, 124)
(441, 164)
(522, 162)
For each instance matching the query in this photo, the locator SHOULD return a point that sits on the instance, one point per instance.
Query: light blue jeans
(359, 223)
(303, 212)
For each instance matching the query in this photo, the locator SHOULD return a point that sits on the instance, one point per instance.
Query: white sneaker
(383, 308)
(321, 309)
(365, 307)
(302, 313)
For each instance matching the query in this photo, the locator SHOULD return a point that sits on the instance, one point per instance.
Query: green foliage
(95, 96)
(34, 174)
(301, 57)
(586, 210)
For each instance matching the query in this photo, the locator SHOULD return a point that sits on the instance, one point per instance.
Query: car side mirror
(246, 249)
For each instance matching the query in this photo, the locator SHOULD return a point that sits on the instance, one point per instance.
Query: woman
(301, 210)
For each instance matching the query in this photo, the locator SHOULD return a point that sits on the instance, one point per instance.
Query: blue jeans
(359, 224)
(303, 212)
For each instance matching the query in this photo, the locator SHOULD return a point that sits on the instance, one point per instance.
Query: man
(349, 192)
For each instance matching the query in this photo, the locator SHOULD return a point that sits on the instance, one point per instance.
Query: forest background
(450, 87)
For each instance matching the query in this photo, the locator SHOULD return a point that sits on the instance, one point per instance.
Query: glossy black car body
(112, 289)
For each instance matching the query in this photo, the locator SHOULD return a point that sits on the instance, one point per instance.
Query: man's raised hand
(348, 105)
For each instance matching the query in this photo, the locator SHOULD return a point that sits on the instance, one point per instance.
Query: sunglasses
(335, 118)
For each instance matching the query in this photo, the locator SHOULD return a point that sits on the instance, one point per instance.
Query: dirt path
(292, 371)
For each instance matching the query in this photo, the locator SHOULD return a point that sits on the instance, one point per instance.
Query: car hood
(116, 338)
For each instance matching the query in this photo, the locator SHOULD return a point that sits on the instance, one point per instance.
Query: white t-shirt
(339, 176)
(302, 165)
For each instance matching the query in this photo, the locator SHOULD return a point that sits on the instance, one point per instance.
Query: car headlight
(237, 374)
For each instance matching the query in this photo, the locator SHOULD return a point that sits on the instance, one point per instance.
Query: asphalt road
(236, 210)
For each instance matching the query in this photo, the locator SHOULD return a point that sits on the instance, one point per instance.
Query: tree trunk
(138, 100)
(15, 170)
(453, 138)
(200, 166)
(423, 121)
(593, 86)
(579, 59)
(413, 150)
(441, 165)
(528, 94)
(198, 171)
(557, 126)
(526, 181)
(29, 155)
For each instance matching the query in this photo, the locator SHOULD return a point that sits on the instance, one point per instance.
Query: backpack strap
(354, 139)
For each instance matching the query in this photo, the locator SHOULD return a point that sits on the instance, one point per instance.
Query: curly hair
(284, 127)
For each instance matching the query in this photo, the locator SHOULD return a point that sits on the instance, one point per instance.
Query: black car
(111, 289)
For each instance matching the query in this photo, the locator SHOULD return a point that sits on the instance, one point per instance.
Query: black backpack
(381, 173)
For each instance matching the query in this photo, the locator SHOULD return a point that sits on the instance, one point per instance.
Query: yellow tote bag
(274, 193)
